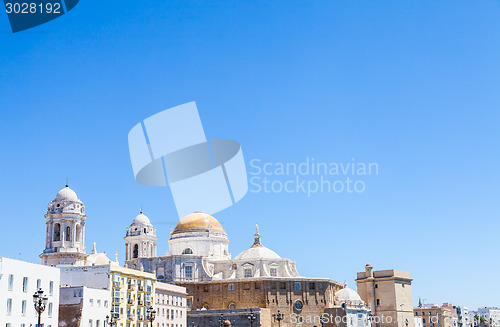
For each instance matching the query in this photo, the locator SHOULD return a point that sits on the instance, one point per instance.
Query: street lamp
(278, 316)
(111, 320)
(151, 315)
(251, 317)
(221, 320)
(40, 302)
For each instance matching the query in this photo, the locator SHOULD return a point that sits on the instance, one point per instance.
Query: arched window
(136, 251)
(57, 232)
(78, 233)
(232, 306)
(187, 251)
(68, 233)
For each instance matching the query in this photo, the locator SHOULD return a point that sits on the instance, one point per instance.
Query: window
(11, 282)
(90, 322)
(51, 288)
(187, 251)
(57, 232)
(9, 307)
(91, 301)
(23, 308)
(297, 286)
(274, 272)
(106, 304)
(136, 251)
(378, 302)
(98, 303)
(50, 310)
(232, 306)
(376, 285)
(97, 323)
(248, 272)
(25, 284)
(68, 233)
(283, 286)
(38, 284)
(297, 305)
(312, 286)
(230, 287)
(188, 271)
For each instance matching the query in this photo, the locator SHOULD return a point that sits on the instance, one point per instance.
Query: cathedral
(199, 259)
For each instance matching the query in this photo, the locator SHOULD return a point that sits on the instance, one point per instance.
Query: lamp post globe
(279, 317)
(40, 303)
(151, 315)
(251, 318)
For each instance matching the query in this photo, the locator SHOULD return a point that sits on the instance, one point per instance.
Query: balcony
(140, 318)
(140, 302)
(131, 287)
(141, 288)
(130, 301)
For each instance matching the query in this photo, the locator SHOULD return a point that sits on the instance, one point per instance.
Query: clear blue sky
(411, 85)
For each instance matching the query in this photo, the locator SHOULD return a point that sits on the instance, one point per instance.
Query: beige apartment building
(434, 316)
(388, 293)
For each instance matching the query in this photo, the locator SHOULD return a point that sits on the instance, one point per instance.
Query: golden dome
(198, 222)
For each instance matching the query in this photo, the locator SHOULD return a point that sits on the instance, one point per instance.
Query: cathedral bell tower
(65, 234)
(140, 240)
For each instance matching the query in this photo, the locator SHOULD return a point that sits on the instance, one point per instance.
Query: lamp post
(151, 315)
(40, 302)
(221, 320)
(279, 317)
(111, 320)
(251, 317)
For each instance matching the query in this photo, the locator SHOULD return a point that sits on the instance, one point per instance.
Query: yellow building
(132, 293)
(434, 316)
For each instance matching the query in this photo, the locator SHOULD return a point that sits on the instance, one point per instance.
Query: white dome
(141, 219)
(257, 252)
(66, 194)
(348, 295)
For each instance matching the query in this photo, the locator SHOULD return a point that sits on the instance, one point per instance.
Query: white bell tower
(140, 240)
(65, 235)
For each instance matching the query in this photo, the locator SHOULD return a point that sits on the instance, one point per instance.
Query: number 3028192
(33, 8)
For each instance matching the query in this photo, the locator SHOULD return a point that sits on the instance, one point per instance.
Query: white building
(356, 312)
(83, 306)
(491, 314)
(19, 280)
(171, 308)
